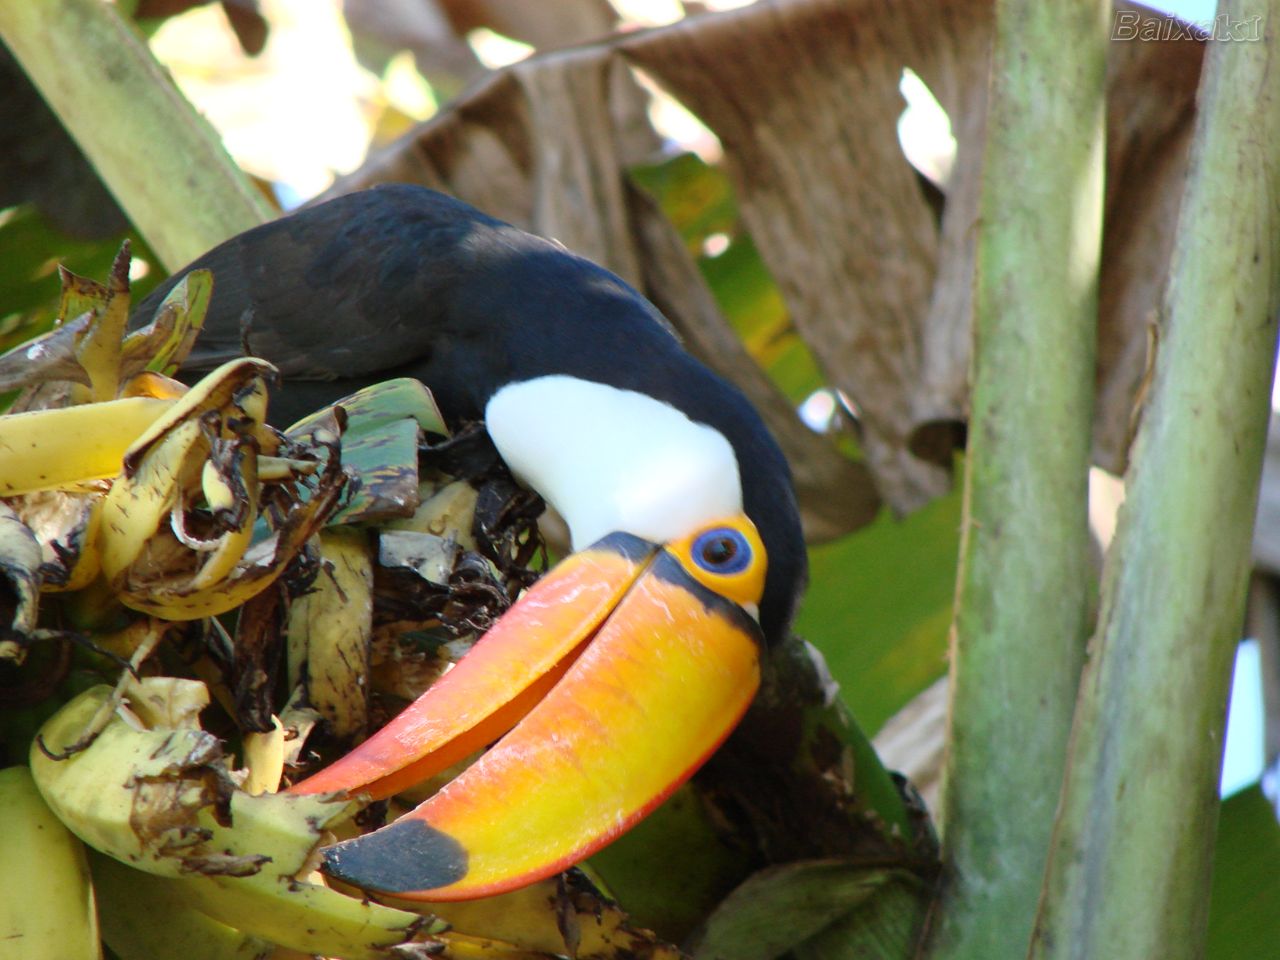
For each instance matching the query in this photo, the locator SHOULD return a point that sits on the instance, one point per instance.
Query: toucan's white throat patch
(614, 460)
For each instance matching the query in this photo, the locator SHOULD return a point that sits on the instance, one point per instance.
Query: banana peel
(162, 345)
(50, 356)
(65, 524)
(98, 350)
(20, 574)
(64, 447)
(200, 460)
(46, 898)
(42, 449)
(144, 917)
(448, 512)
(155, 791)
(330, 630)
(565, 916)
(264, 759)
(89, 347)
(384, 424)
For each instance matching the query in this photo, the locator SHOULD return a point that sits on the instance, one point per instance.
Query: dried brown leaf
(804, 97)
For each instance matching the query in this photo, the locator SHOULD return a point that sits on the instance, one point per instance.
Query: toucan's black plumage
(403, 281)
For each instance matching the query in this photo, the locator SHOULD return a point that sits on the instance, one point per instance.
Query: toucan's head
(616, 675)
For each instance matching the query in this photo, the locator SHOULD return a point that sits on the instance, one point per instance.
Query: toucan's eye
(726, 556)
(722, 550)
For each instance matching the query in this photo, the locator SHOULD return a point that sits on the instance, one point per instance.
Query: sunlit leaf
(879, 607)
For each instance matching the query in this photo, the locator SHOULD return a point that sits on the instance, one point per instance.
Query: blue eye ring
(721, 550)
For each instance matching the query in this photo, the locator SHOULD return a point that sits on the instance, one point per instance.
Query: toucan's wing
(301, 293)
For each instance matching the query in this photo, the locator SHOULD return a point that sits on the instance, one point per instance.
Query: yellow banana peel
(155, 791)
(264, 759)
(144, 917)
(49, 449)
(178, 527)
(46, 898)
(330, 629)
(562, 917)
(98, 349)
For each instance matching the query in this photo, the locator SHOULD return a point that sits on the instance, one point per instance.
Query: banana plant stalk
(161, 160)
(1023, 590)
(1129, 866)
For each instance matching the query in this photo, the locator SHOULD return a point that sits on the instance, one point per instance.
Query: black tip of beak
(406, 856)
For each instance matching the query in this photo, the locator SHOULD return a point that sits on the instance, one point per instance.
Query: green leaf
(1244, 907)
(885, 927)
(696, 197)
(879, 607)
(779, 908)
(30, 251)
(636, 867)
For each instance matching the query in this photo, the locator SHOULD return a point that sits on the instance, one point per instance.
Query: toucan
(616, 675)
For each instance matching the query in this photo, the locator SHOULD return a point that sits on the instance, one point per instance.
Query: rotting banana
(330, 629)
(155, 791)
(168, 459)
(46, 897)
(447, 512)
(315, 919)
(66, 525)
(166, 775)
(264, 759)
(47, 449)
(144, 917)
(162, 345)
(204, 448)
(563, 917)
(384, 425)
(91, 321)
(20, 575)
(232, 483)
(98, 350)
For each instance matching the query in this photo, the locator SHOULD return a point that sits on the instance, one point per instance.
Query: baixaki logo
(1131, 25)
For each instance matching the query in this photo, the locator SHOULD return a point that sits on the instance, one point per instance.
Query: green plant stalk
(1129, 867)
(1023, 587)
(165, 165)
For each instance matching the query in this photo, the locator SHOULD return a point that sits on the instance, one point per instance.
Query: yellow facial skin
(741, 577)
(663, 680)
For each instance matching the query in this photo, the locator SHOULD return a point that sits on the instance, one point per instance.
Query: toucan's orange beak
(605, 687)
